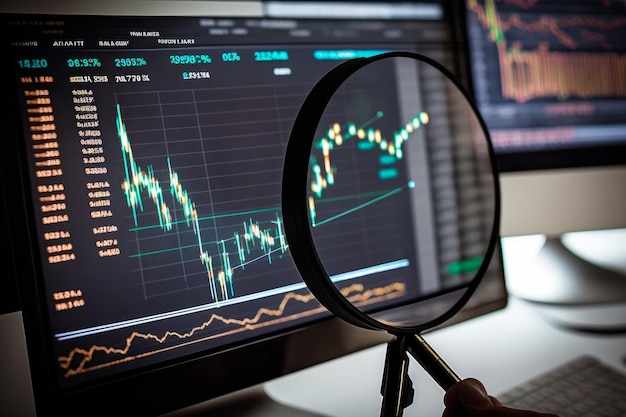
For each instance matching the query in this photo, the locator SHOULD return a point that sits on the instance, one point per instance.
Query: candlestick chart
(250, 242)
(157, 195)
(554, 54)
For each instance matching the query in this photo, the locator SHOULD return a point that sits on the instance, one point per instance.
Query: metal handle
(431, 362)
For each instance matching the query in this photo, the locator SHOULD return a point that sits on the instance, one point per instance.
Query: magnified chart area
(539, 62)
(383, 171)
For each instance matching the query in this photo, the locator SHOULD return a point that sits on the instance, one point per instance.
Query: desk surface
(502, 349)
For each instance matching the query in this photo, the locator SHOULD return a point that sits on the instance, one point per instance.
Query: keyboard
(582, 387)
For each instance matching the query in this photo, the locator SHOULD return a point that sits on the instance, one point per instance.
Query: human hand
(469, 398)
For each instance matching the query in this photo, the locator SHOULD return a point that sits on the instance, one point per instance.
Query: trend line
(360, 206)
(253, 238)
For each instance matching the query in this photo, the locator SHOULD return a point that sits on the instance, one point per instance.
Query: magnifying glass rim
(295, 199)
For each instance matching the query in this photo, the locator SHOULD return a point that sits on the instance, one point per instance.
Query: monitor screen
(144, 187)
(549, 81)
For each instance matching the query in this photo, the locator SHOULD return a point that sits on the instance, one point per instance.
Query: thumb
(472, 393)
(469, 398)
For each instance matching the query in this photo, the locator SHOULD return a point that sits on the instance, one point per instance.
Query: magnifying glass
(391, 204)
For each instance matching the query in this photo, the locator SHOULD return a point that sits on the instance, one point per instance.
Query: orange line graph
(79, 360)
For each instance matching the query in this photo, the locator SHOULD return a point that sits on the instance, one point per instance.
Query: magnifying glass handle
(431, 362)
(397, 388)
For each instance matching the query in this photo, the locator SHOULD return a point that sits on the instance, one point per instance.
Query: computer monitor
(142, 172)
(549, 79)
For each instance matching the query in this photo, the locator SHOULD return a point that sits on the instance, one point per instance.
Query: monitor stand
(576, 280)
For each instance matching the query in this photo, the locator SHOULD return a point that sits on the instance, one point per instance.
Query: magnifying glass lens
(401, 196)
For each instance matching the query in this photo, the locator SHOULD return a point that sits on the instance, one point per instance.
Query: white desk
(501, 349)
